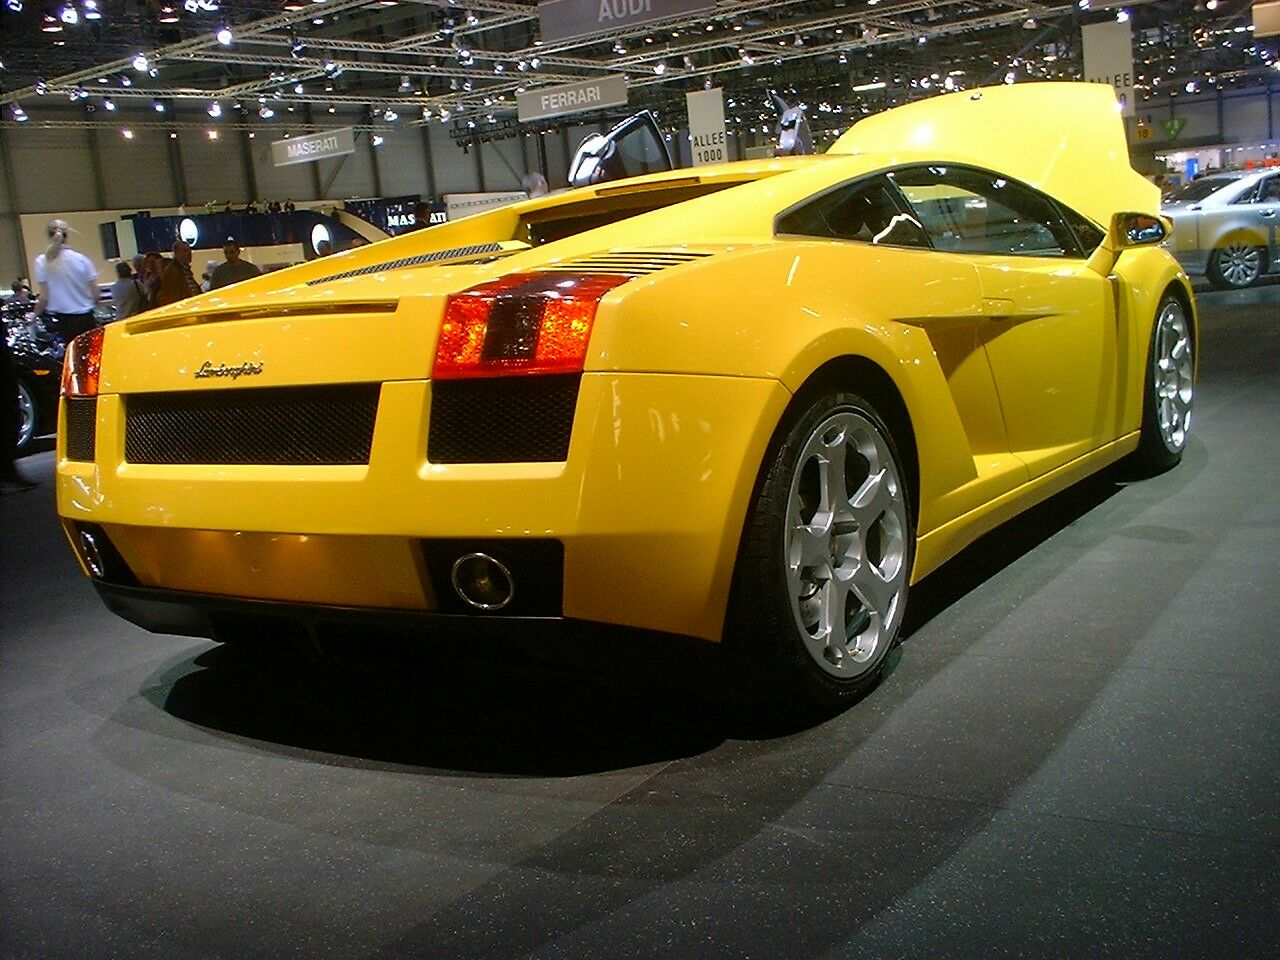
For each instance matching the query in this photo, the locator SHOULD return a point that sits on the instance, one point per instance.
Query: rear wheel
(821, 585)
(27, 416)
(1170, 389)
(1236, 265)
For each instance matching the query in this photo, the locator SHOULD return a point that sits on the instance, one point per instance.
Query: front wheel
(1237, 265)
(1169, 390)
(821, 585)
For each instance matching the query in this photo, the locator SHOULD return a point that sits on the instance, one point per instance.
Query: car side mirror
(1137, 230)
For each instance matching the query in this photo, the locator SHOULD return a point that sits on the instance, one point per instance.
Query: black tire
(1165, 422)
(776, 654)
(28, 416)
(1226, 268)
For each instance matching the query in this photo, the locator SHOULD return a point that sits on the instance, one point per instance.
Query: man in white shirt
(68, 283)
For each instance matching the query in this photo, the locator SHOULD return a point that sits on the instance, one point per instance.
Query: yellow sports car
(747, 404)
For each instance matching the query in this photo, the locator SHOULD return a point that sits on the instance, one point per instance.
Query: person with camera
(68, 283)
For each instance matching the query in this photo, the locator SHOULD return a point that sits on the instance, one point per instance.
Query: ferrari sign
(313, 146)
(572, 98)
(562, 19)
(1108, 58)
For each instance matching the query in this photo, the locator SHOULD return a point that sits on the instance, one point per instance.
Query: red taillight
(81, 365)
(522, 323)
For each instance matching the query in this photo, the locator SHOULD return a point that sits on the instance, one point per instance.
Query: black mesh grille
(82, 427)
(503, 420)
(285, 425)
(420, 260)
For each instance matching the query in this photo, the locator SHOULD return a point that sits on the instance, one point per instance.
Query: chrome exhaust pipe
(482, 582)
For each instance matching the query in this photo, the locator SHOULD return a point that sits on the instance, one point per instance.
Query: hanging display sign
(556, 101)
(1108, 58)
(313, 146)
(708, 142)
(562, 19)
(1266, 19)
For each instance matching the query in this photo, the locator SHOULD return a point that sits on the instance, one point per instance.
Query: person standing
(234, 269)
(177, 282)
(68, 284)
(126, 294)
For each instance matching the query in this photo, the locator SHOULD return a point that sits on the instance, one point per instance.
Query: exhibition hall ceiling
(463, 63)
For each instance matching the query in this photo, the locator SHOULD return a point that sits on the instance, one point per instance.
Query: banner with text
(565, 98)
(313, 146)
(707, 140)
(562, 19)
(1108, 58)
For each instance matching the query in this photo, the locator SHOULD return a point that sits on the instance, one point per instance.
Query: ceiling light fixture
(223, 36)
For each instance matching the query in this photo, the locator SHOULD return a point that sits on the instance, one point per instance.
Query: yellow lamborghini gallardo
(748, 404)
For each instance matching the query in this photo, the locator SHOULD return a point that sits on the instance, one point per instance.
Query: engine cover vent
(631, 263)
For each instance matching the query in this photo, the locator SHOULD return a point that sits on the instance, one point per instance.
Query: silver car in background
(1224, 226)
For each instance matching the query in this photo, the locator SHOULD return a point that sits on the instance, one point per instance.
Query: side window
(971, 211)
(867, 211)
(1269, 190)
(1088, 233)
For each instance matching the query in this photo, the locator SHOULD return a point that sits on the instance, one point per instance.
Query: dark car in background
(37, 356)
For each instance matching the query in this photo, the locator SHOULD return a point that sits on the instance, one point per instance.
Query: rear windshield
(555, 223)
(1199, 189)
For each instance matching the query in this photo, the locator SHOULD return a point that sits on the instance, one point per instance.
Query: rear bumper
(648, 506)
(351, 632)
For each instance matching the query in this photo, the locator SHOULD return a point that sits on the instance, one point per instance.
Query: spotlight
(126, 82)
(405, 85)
(213, 134)
(108, 104)
(1122, 16)
(297, 88)
(660, 67)
(157, 106)
(390, 115)
(49, 24)
(265, 112)
(223, 36)
(14, 6)
(168, 14)
(91, 11)
(41, 88)
(215, 109)
(377, 140)
(297, 48)
(127, 134)
(69, 15)
(19, 115)
(140, 63)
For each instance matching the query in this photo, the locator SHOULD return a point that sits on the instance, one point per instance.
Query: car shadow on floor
(484, 707)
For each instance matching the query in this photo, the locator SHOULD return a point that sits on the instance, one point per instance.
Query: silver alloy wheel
(26, 416)
(1240, 264)
(1173, 369)
(846, 545)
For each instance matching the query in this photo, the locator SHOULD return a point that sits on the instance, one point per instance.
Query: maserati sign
(313, 146)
